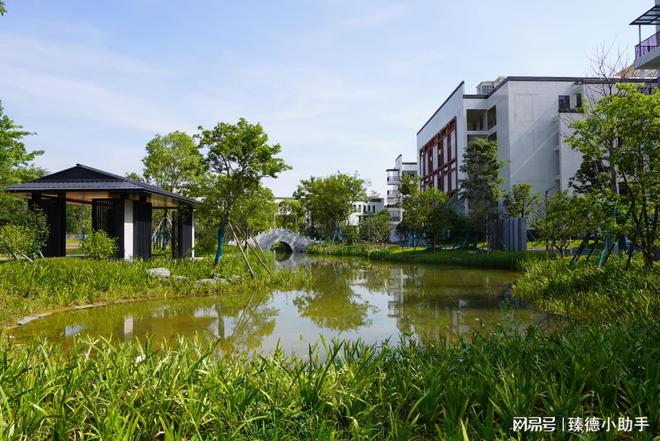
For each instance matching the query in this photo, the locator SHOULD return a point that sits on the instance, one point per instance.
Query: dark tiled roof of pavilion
(82, 178)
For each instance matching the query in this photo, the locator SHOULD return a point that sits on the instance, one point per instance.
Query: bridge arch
(297, 242)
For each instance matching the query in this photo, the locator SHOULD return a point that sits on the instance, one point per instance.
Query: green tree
(255, 211)
(173, 163)
(238, 158)
(481, 186)
(291, 215)
(427, 211)
(328, 201)
(623, 132)
(559, 224)
(3, 9)
(520, 201)
(375, 228)
(15, 165)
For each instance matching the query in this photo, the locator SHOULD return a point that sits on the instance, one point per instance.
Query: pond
(351, 299)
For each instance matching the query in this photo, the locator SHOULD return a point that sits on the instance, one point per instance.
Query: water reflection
(350, 299)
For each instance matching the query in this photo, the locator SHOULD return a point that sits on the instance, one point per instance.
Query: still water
(350, 299)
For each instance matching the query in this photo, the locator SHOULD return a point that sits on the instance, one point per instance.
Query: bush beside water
(103, 390)
(581, 289)
(394, 253)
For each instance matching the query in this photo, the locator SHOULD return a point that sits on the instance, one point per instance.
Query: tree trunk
(221, 244)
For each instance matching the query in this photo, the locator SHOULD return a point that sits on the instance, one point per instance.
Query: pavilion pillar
(142, 214)
(55, 211)
(185, 240)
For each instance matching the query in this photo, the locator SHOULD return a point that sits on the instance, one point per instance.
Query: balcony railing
(647, 45)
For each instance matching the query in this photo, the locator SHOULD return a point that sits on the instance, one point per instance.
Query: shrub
(18, 241)
(582, 289)
(98, 245)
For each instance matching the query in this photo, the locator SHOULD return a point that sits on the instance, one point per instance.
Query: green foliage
(582, 289)
(255, 211)
(15, 165)
(341, 391)
(623, 130)
(427, 213)
(328, 201)
(520, 202)
(3, 9)
(291, 215)
(173, 163)
(238, 158)
(394, 253)
(568, 217)
(98, 245)
(26, 238)
(27, 288)
(17, 241)
(78, 217)
(481, 187)
(375, 228)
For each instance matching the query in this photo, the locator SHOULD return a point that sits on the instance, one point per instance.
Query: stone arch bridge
(295, 241)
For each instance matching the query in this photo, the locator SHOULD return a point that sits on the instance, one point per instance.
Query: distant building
(395, 176)
(647, 52)
(361, 209)
(528, 117)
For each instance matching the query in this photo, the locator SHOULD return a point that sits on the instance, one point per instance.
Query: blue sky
(341, 85)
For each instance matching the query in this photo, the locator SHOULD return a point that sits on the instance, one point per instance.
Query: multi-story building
(395, 176)
(361, 209)
(647, 52)
(528, 117)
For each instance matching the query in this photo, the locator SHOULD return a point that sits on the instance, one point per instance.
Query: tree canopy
(328, 201)
(481, 186)
(173, 163)
(15, 164)
(238, 157)
(622, 131)
(520, 201)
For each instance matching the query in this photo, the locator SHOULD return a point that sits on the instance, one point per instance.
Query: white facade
(395, 176)
(529, 119)
(361, 208)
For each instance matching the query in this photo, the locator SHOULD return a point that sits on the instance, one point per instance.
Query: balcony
(647, 53)
(393, 180)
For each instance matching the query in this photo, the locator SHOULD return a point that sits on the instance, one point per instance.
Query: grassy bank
(393, 253)
(583, 290)
(106, 391)
(31, 287)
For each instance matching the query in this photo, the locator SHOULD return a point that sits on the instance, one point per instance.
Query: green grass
(101, 390)
(45, 284)
(465, 258)
(581, 289)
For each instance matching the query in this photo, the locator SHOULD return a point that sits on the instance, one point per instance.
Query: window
(578, 100)
(564, 103)
(492, 117)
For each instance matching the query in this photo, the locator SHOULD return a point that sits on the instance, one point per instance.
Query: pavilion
(121, 207)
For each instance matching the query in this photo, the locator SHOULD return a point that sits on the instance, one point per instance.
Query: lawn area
(394, 253)
(56, 283)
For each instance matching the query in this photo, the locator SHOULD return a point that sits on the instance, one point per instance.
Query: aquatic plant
(102, 390)
(582, 289)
